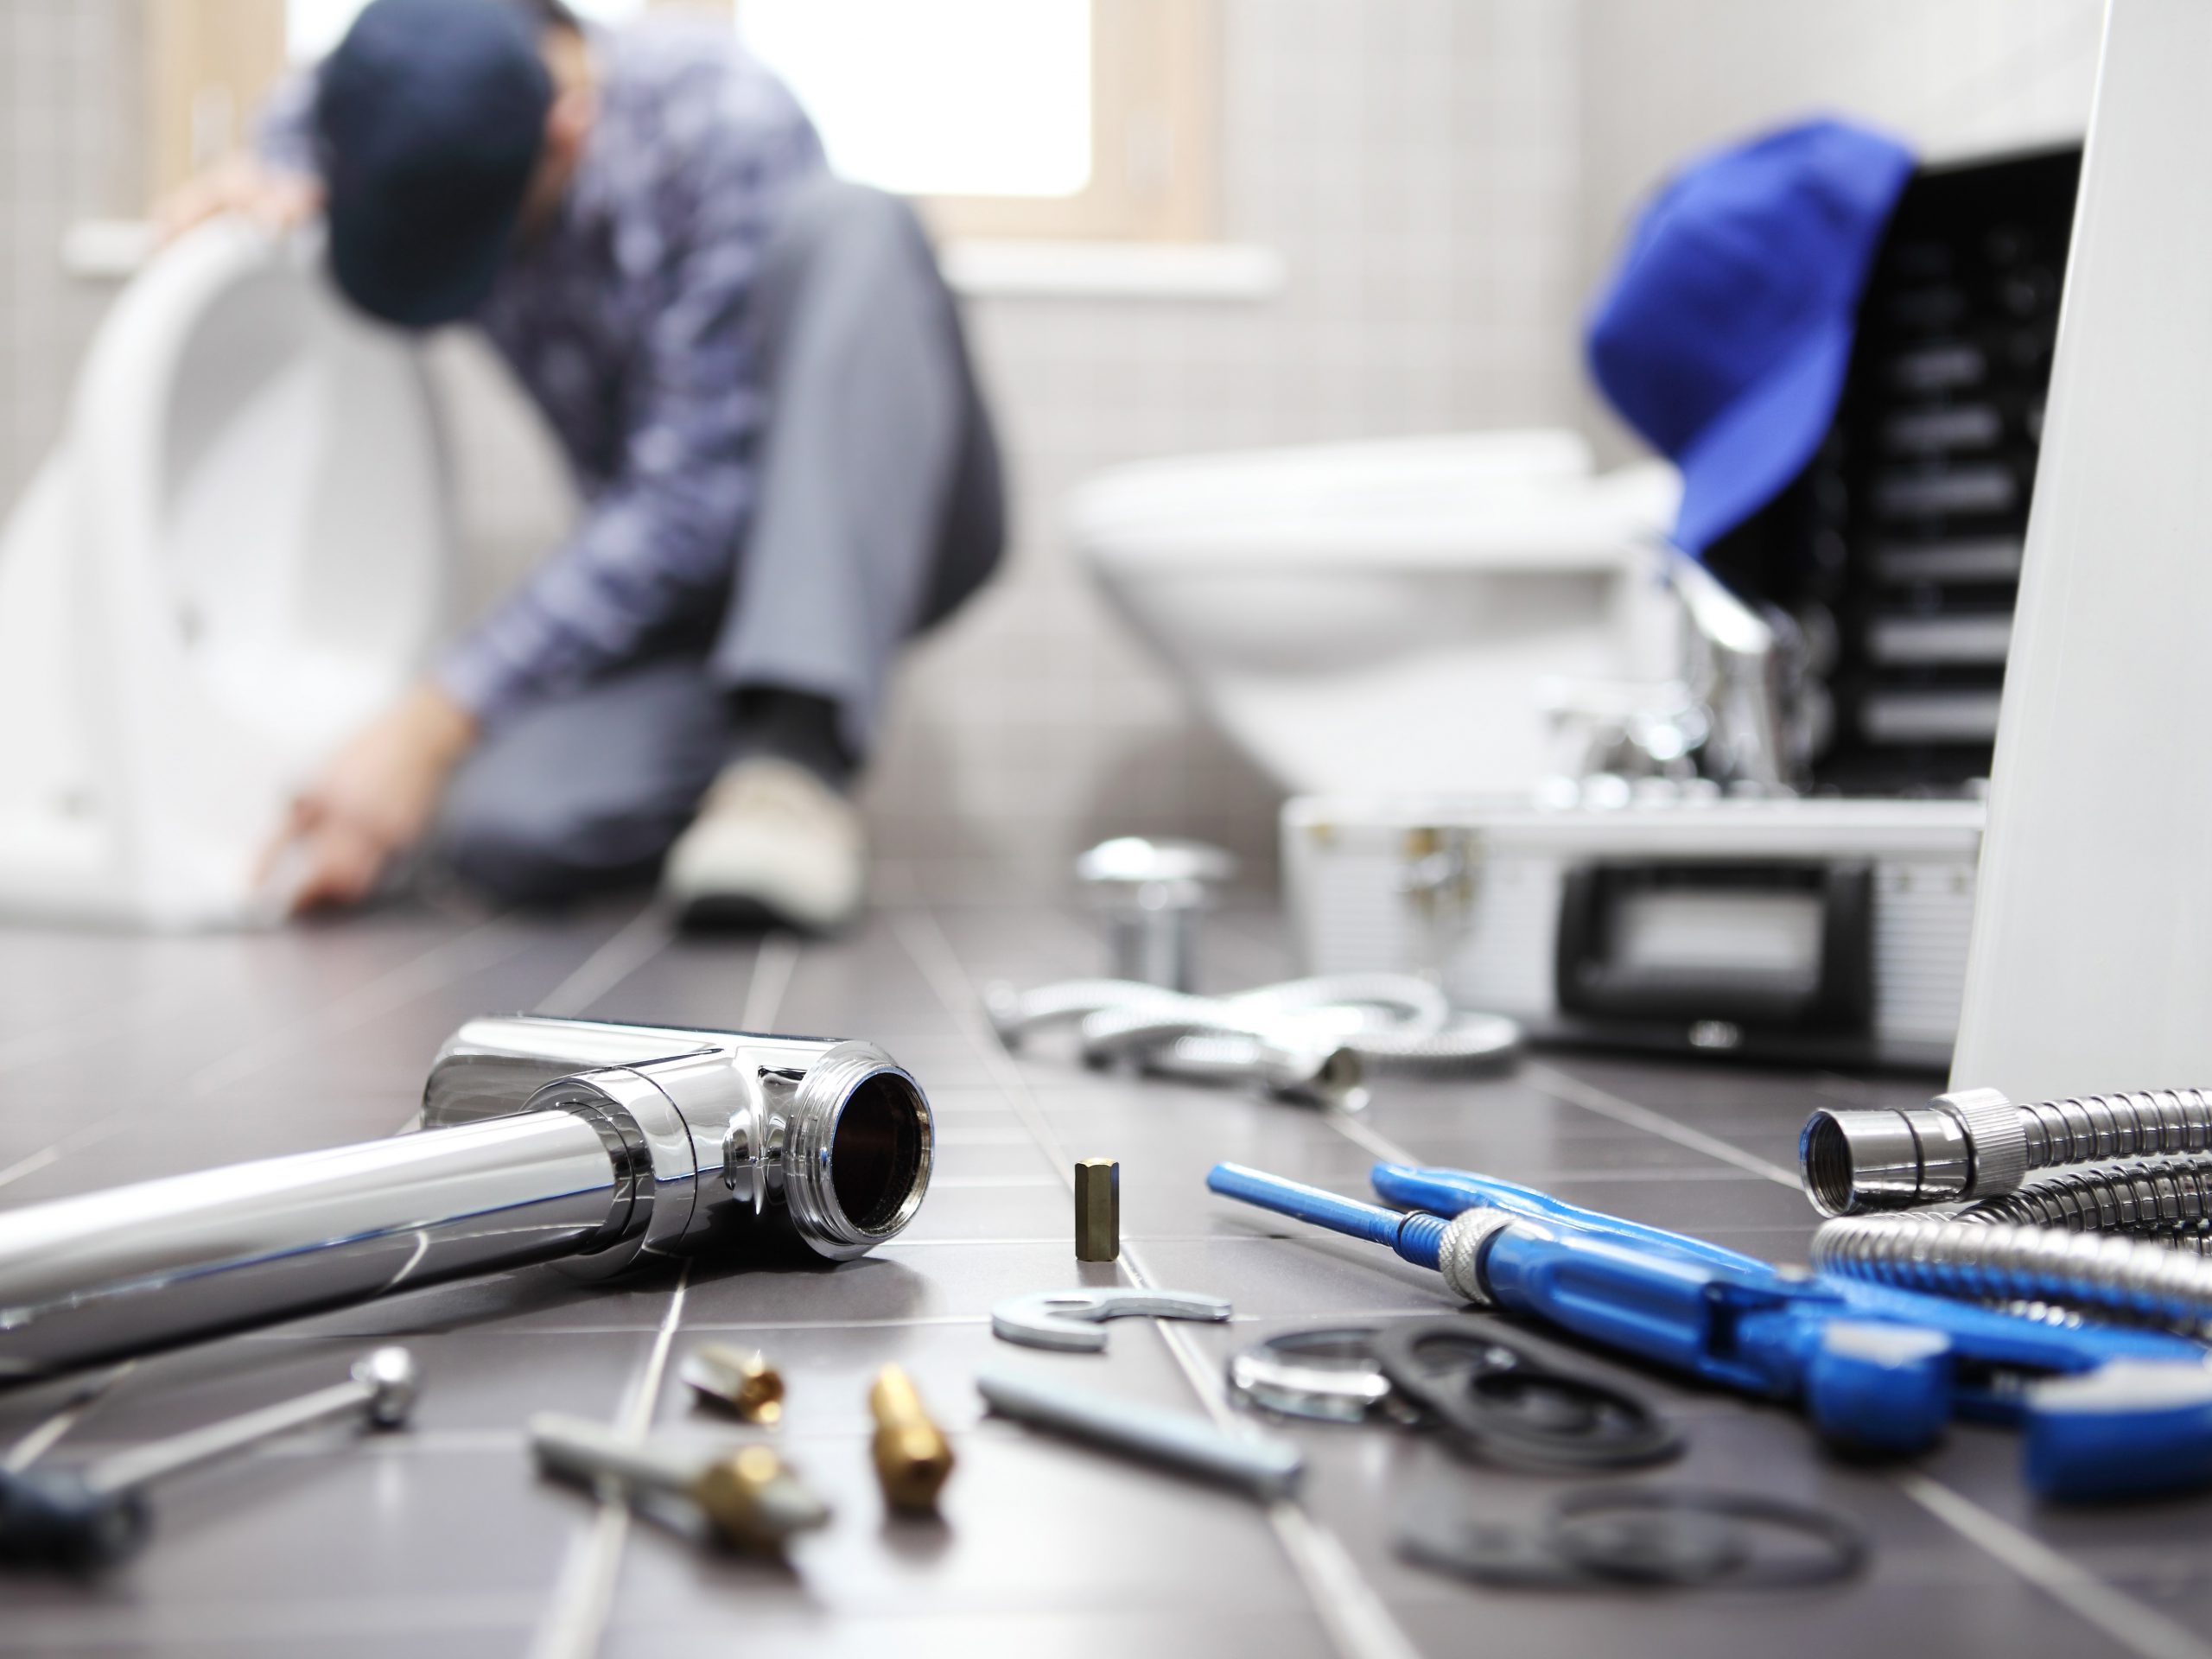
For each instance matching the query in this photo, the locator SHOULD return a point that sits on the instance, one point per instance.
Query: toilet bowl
(236, 553)
(1395, 615)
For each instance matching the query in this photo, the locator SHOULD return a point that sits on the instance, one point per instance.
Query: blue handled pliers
(2107, 1411)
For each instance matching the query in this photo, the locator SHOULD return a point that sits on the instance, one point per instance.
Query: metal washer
(1327, 1375)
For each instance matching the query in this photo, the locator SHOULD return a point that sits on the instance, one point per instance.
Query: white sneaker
(772, 844)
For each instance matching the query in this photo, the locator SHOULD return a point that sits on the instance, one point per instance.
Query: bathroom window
(1088, 120)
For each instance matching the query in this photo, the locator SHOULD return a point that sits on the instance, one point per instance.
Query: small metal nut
(1097, 1210)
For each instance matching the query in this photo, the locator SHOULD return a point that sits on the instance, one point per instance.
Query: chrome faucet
(600, 1146)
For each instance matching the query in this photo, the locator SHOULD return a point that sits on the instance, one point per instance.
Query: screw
(741, 1379)
(753, 1500)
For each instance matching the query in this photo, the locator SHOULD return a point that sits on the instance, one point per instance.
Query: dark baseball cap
(428, 119)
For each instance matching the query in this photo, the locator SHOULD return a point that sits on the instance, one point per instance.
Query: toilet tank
(239, 552)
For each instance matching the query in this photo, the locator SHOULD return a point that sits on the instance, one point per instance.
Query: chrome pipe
(599, 1147)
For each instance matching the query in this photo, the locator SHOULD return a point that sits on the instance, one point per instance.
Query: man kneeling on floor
(761, 384)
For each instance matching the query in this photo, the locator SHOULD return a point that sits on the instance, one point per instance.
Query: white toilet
(237, 552)
(1396, 615)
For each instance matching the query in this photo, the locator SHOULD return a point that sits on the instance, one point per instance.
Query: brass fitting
(1097, 1210)
(914, 1459)
(739, 1379)
(755, 1502)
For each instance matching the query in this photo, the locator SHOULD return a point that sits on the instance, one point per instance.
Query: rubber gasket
(1496, 1401)
(1676, 1537)
(1842, 1549)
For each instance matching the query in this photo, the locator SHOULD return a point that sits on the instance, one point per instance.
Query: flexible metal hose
(2127, 1240)
(1308, 1038)
(2165, 1201)
(1976, 1144)
(1997, 1262)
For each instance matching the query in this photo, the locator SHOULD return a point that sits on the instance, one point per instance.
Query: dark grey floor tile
(1087, 1632)
(121, 1057)
(1030, 1523)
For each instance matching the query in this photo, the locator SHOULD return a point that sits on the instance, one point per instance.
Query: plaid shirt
(626, 321)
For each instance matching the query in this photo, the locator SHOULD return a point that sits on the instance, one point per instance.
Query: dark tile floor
(123, 1059)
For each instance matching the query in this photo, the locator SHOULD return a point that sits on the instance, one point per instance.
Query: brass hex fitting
(1097, 1210)
(755, 1502)
(741, 1379)
(914, 1459)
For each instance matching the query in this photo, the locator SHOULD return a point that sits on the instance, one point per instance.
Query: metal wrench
(1072, 1320)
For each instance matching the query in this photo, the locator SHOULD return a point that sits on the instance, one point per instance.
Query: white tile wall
(1415, 162)
(68, 150)
(1444, 178)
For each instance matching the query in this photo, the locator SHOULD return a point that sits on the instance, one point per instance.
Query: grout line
(639, 940)
(583, 1596)
(1591, 1098)
(30, 1166)
(772, 977)
(1358, 1623)
(42, 1438)
(485, 945)
(46, 1433)
(576, 1624)
(2135, 1625)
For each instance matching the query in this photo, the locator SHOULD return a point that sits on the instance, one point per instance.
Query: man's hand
(373, 802)
(275, 201)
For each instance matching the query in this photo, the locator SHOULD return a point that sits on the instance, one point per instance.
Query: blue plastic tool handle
(2124, 1432)
(1876, 1368)
(1448, 1191)
(1987, 1339)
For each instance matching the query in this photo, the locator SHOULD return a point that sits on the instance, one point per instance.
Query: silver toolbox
(1816, 930)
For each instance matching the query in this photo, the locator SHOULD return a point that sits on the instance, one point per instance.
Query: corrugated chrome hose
(2127, 1239)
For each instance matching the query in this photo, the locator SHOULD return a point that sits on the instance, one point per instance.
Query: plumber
(760, 382)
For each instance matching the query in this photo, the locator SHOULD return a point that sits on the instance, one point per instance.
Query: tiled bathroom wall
(1443, 179)
(1413, 161)
(68, 150)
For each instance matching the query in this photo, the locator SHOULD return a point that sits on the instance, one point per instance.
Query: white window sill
(1114, 271)
(112, 249)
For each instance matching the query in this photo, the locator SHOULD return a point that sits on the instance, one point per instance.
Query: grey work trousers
(880, 509)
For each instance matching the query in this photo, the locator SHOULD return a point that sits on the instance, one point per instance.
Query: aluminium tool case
(1827, 931)
(1833, 926)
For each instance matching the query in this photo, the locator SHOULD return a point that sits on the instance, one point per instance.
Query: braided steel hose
(1999, 1261)
(2163, 1201)
(1977, 1144)
(2127, 1240)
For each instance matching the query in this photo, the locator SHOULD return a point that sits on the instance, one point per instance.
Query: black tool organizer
(1897, 549)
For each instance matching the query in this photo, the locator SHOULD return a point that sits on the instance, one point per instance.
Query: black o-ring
(1493, 1400)
(1842, 1544)
(1694, 1538)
